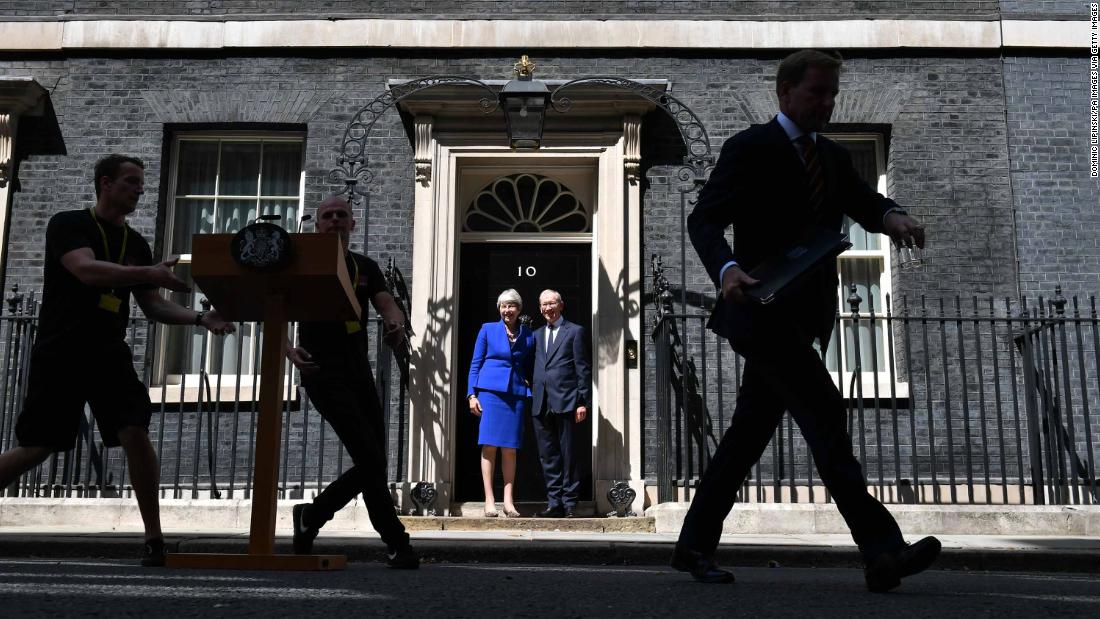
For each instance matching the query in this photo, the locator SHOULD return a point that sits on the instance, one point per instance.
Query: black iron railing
(952, 401)
(949, 401)
(204, 422)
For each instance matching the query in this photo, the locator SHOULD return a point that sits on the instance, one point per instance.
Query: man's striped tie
(813, 170)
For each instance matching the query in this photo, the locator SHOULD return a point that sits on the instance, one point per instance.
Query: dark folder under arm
(780, 272)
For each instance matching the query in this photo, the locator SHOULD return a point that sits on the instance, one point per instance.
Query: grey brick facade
(520, 9)
(948, 159)
(989, 150)
(1045, 9)
(1056, 201)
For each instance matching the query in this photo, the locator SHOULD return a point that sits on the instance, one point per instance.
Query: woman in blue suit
(499, 392)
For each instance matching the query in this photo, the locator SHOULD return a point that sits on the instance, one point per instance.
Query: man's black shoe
(403, 558)
(886, 571)
(569, 513)
(701, 567)
(552, 512)
(303, 534)
(152, 555)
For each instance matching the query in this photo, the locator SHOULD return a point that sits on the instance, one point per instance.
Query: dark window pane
(198, 168)
(240, 169)
(193, 216)
(183, 341)
(493, 213)
(866, 165)
(234, 214)
(287, 210)
(866, 362)
(864, 160)
(860, 237)
(282, 169)
(832, 358)
(865, 273)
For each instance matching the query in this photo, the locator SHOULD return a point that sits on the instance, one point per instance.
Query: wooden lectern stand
(314, 285)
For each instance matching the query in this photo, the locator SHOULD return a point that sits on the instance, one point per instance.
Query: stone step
(572, 525)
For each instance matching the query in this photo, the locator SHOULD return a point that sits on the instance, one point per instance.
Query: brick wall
(948, 164)
(1045, 9)
(1058, 222)
(518, 9)
(948, 159)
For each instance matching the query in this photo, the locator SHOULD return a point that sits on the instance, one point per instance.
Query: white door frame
(616, 283)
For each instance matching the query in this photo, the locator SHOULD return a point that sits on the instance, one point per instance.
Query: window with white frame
(867, 265)
(219, 183)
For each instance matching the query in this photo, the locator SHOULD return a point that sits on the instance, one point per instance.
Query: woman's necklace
(511, 335)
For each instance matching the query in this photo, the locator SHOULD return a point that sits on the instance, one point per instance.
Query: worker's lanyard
(353, 326)
(103, 234)
(110, 301)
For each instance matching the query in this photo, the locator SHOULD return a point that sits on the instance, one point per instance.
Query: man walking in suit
(775, 184)
(561, 390)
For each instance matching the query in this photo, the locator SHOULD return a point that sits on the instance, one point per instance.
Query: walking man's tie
(813, 170)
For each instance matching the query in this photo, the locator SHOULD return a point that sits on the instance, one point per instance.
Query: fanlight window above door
(526, 203)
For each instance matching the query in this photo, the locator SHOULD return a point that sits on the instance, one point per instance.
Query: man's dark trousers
(787, 373)
(343, 392)
(554, 432)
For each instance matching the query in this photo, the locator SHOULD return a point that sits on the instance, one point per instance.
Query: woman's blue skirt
(501, 419)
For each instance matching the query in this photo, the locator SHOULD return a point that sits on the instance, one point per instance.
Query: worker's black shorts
(62, 380)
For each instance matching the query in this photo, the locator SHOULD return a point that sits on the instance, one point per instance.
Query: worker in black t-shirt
(336, 373)
(94, 262)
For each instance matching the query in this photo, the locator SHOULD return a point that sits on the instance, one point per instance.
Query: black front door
(487, 270)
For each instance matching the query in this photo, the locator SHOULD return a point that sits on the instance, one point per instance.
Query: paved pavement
(112, 588)
(961, 552)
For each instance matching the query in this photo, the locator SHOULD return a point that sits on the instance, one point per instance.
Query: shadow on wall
(429, 383)
(608, 341)
(615, 459)
(696, 415)
(613, 448)
(37, 135)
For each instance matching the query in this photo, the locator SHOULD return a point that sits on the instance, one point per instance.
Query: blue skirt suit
(498, 377)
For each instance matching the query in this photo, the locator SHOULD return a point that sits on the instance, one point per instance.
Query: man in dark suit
(775, 184)
(561, 390)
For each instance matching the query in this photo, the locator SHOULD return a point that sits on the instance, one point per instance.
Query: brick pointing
(948, 157)
(517, 9)
(1058, 220)
(1045, 9)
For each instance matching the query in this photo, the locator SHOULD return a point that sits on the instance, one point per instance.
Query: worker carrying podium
(267, 275)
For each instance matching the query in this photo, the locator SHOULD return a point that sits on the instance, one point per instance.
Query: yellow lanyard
(110, 301)
(353, 326)
(103, 233)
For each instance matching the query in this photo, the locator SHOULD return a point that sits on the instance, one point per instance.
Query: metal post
(1038, 482)
(663, 342)
(965, 391)
(1070, 442)
(854, 301)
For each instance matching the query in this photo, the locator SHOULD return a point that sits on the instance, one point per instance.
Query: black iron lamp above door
(524, 101)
